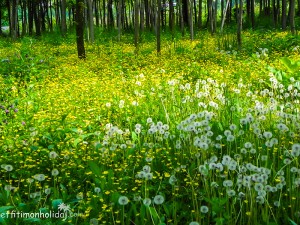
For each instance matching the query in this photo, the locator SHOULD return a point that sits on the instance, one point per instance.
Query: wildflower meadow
(203, 133)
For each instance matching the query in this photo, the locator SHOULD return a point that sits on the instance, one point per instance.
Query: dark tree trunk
(104, 11)
(36, 18)
(283, 17)
(248, 10)
(147, 10)
(0, 19)
(80, 28)
(240, 24)
(158, 27)
(96, 13)
(274, 12)
(136, 24)
(14, 19)
(110, 14)
(185, 12)
(51, 17)
(171, 16)
(42, 16)
(30, 17)
(292, 16)
(200, 14)
(253, 13)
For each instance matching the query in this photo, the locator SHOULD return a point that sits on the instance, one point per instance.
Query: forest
(150, 112)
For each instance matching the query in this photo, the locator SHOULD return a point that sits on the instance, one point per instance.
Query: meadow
(200, 134)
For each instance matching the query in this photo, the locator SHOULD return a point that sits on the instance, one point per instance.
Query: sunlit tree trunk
(191, 24)
(91, 21)
(80, 28)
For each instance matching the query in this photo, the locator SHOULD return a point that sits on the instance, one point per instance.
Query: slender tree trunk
(200, 15)
(171, 17)
(119, 19)
(283, 17)
(191, 24)
(104, 11)
(14, 19)
(63, 18)
(80, 28)
(158, 26)
(42, 16)
(274, 13)
(142, 16)
(0, 19)
(36, 18)
(30, 17)
(136, 24)
(57, 14)
(253, 13)
(91, 21)
(292, 16)
(240, 24)
(51, 16)
(96, 12)
(147, 10)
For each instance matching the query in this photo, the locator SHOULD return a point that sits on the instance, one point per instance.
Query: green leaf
(134, 136)
(292, 222)
(56, 202)
(153, 213)
(94, 168)
(76, 142)
(3, 209)
(30, 220)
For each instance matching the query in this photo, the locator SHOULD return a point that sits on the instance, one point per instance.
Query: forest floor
(200, 134)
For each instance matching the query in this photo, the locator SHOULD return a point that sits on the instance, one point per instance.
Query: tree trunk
(36, 18)
(96, 12)
(142, 15)
(91, 21)
(147, 11)
(191, 24)
(240, 24)
(63, 18)
(119, 19)
(104, 11)
(274, 13)
(200, 15)
(14, 19)
(80, 28)
(171, 17)
(253, 13)
(42, 16)
(292, 16)
(283, 17)
(181, 18)
(0, 19)
(158, 26)
(136, 24)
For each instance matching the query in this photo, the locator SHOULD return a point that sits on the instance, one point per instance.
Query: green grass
(201, 133)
